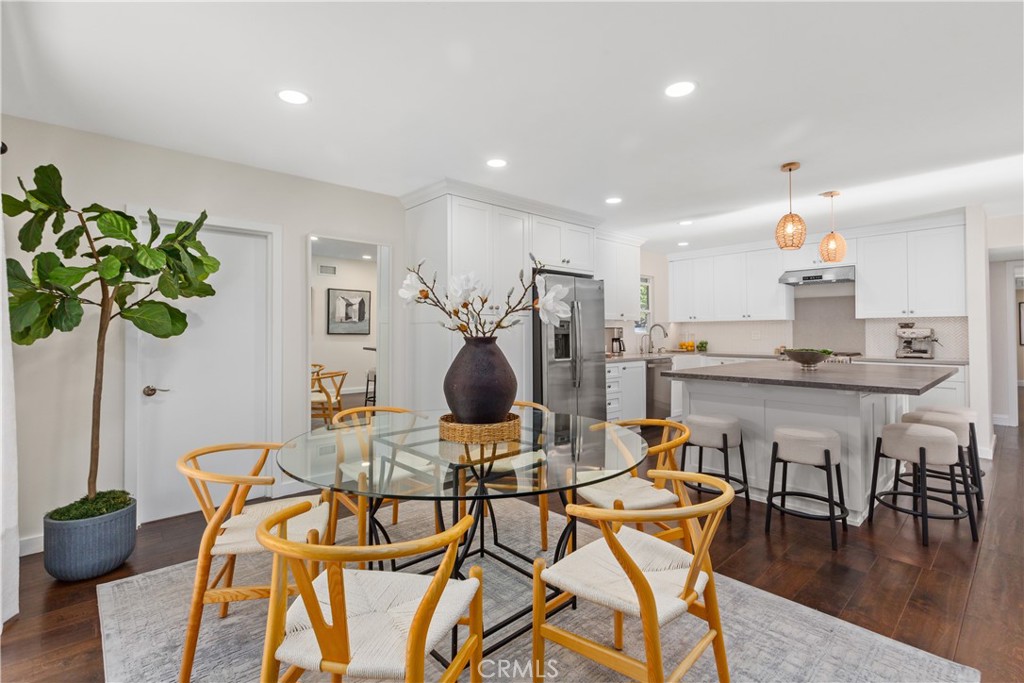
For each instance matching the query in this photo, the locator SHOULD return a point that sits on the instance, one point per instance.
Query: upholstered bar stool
(718, 432)
(922, 445)
(961, 428)
(818, 447)
(973, 459)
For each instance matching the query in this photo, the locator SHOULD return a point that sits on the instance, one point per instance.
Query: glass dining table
(401, 456)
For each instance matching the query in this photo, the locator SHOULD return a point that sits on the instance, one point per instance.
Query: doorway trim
(274, 338)
(1012, 332)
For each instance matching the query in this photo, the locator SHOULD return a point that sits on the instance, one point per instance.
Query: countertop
(856, 359)
(634, 357)
(861, 377)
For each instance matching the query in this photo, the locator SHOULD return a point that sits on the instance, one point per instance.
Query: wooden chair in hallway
(325, 398)
(231, 531)
(378, 625)
(639, 575)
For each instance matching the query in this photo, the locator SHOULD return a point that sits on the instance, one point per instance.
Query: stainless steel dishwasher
(659, 389)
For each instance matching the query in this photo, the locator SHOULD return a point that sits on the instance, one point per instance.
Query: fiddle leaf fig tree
(105, 260)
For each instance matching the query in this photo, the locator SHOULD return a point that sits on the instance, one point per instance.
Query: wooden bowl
(808, 360)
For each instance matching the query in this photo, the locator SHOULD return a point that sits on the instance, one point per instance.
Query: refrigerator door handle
(577, 331)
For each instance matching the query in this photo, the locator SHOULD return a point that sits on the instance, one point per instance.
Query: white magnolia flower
(551, 307)
(410, 289)
(462, 289)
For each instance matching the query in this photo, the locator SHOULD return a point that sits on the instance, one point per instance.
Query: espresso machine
(915, 342)
(613, 340)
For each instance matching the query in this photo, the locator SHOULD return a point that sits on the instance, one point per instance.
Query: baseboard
(1020, 383)
(1004, 421)
(30, 545)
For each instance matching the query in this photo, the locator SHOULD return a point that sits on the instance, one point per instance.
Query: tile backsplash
(753, 336)
(828, 323)
(880, 336)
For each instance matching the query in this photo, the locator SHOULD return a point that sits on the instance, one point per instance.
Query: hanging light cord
(832, 204)
(790, 190)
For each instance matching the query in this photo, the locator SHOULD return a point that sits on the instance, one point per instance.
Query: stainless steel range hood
(818, 276)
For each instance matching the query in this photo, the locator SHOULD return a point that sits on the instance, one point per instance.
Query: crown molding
(621, 238)
(508, 201)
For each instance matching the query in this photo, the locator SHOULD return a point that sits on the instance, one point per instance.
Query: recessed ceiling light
(685, 222)
(613, 200)
(367, 257)
(313, 238)
(497, 163)
(684, 244)
(293, 96)
(680, 89)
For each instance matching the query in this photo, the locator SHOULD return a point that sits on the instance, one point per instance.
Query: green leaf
(186, 263)
(96, 208)
(48, 187)
(17, 279)
(34, 203)
(212, 264)
(40, 329)
(198, 289)
(67, 315)
(31, 234)
(109, 268)
(14, 206)
(24, 310)
(151, 258)
(157, 318)
(43, 264)
(58, 222)
(199, 224)
(154, 227)
(68, 276)
(68, 242)
(196, 246)
(122, 293)
(117, 225)
(168, 285)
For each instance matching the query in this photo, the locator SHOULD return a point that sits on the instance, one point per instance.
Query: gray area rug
(768, 638)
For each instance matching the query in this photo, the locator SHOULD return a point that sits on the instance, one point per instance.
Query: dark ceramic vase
(480, 385)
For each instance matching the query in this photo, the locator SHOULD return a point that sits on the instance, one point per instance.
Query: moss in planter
(104, 502)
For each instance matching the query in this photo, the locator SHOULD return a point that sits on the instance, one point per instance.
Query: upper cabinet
(919, 273)
(562, 246)
(808, 256)
(747, 287)
(618, 264)
(691, 290)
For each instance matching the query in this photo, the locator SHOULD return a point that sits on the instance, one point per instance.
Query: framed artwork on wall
(348, 311)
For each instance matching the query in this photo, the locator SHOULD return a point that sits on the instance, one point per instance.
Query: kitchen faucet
(650, 339)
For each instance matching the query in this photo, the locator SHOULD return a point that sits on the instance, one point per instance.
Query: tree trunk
(106, 308)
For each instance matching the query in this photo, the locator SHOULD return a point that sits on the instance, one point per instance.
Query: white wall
(54, 377)
(1003, 313)
(978, 327)
(343, 351)
(1005, 232)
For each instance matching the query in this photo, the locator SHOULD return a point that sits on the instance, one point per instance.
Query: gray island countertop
(869, 379)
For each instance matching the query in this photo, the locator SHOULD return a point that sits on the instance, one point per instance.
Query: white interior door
(217, 377)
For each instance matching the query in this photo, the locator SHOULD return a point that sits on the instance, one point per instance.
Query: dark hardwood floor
(957, 599)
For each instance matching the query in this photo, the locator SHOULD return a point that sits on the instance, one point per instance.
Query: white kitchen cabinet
(562, 246)
(808, 256)
(618, 264)
(919, 273)
(747, 287)
(691, 290)
(952, 392)
(625, 390)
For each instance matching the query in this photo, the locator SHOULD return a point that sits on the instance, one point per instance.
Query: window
(644, 322)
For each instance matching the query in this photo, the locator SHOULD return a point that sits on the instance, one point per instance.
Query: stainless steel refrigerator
(568, 358)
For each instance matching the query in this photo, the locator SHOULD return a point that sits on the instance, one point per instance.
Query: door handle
(150, 390)
(578, 345)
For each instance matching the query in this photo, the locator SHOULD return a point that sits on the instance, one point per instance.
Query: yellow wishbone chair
(325, 393)
(231, 531)
(640, 575)
(365, 623)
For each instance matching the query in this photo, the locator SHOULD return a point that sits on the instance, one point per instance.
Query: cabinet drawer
(613, 404)
(612, 371)
(613, 386)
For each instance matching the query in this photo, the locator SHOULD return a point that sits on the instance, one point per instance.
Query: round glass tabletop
(401, 455)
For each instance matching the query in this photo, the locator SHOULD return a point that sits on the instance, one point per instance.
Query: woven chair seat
(517, 462)
(406, 465)
(380, 607)
(317, 397)
(593, 574)
(635, 493)
(239, 532)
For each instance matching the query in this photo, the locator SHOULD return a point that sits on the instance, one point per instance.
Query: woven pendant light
(791, 231)
(833, 246)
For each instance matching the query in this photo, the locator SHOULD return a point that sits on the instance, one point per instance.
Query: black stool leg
(916, 478)
(725, 454)
(831, 499)
(976, 467)
(771, 488)
(842, 498)
(922, 494)
(970, 503)
(700, 459)
(952, 485)
(785, 473)
(874, 479)
(743, 469)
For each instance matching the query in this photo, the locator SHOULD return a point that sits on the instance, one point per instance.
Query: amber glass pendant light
(791, 230)
(833, 246)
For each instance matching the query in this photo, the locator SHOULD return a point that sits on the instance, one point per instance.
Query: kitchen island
(849, 398)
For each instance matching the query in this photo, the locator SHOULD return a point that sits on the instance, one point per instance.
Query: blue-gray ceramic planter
(86, 548)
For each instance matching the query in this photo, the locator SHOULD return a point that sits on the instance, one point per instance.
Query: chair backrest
(316, 368)
(329, 383)
(696, 537)
(530, 404)
(234, 501)
(333, 638)
(673, 436)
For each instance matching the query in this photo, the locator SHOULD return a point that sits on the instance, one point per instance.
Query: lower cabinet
(626, 390)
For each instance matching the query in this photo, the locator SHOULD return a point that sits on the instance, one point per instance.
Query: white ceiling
(907, 108)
